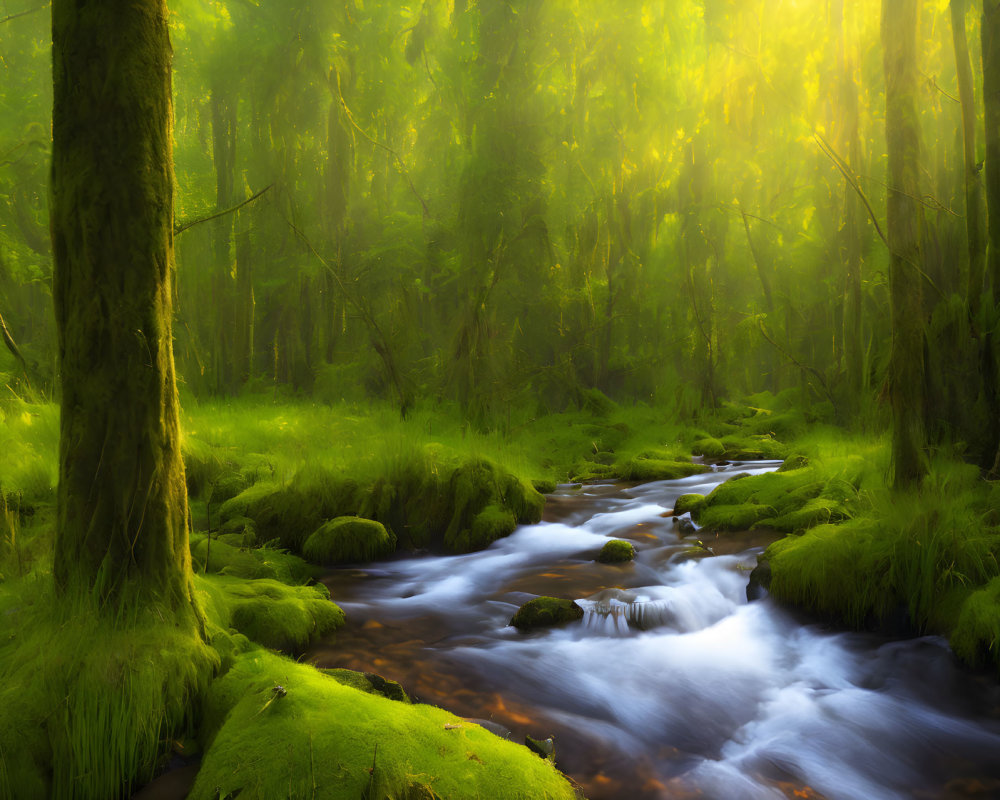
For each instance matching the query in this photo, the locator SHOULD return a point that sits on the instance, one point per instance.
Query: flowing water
(672, 685)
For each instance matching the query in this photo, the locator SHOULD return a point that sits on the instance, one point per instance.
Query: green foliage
(976, 636)
(346, 540)
(276, 728)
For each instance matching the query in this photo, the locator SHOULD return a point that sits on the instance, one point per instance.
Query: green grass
(88, 700)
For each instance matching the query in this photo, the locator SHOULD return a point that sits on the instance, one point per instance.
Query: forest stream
(672, 685)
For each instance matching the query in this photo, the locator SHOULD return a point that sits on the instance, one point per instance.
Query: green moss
(709, 448)
(817, 511)
(268, 612)
(347, 540)
(733, 517)
(315, 737)
(369, 682)
(546, 611)
(222, 557)
(688, 502)
(544, 485)
(616, 551)
(976, 636)
(796, 461)
(653, 469)
(488, 525)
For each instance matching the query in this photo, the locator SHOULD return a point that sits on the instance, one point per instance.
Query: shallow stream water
(673, 685)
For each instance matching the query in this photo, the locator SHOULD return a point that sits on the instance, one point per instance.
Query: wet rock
(684, 525)
(617, 551)
(544, 612)
(369, 682)
(546, 748)
(760, 581)
(493, 727)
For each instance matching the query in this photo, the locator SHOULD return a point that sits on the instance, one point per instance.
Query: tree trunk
(905, 381)
(991, 172)
(973, 190)
(122, 501)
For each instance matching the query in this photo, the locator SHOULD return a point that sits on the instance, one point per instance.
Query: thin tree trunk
(973, 189)
(905, 381)
(122, 501)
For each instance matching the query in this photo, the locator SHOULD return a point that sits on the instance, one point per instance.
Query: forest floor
(280, 489)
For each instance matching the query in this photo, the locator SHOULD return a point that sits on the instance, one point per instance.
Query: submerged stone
(546, 611)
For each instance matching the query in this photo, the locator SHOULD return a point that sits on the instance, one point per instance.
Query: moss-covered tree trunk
(990, 32)
(906, 389)
(122, 502)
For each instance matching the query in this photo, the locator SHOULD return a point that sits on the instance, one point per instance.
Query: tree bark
(122, 502)
(973, 189)
(990, 33)
(905, 381)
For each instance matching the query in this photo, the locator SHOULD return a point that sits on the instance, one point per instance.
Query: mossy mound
(226, 556)
(268, 612)
(369, 682)
(427, 501)
(688, 502)
(924, 557)
(790, 501)
(657, 469)
(544, 485)
(738, 447)
(275, 728)
(617, 551)
(348, 540)
(544, 612)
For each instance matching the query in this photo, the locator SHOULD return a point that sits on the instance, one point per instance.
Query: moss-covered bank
(275, 728)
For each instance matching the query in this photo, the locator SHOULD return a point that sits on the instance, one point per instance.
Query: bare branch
(183, 226)
(9, 17)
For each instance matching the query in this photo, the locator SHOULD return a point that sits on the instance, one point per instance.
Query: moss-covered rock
(688, 502)
(616, 551)
(275, 728)
(656, 469)
(733, 517)
(545, 612)
(490, 524)
(796, 461)
(709, 447)
(544, 485)
(268, 612)
(369, 682)
(348, 540)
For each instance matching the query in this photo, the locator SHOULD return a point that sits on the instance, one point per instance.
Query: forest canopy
(508, 203)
